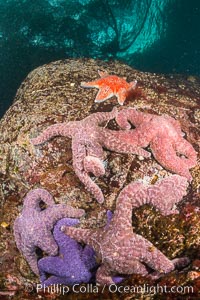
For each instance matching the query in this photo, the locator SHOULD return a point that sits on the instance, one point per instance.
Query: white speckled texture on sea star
(88, 140)
(120, 250)
(33, 226)
(163, 135)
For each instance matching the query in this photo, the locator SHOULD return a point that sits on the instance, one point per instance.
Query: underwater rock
(82, 28)
(52, 94)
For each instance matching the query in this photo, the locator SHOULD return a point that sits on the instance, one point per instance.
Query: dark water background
(151, 35)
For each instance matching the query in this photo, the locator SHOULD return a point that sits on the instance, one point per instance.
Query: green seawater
(151, 35)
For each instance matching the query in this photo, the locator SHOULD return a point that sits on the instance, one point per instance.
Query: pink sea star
(33, 227)
(163, 195)
(164, 136)
(88, 140)
(109, 86)
(120, 250)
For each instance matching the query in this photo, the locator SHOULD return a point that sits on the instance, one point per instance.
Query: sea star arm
(17, 234)
(47, 243)
(63, 271)
(34, 197)
(100, 117)
(121, 95)
(88, 257)
(165, 154)
(90, 185)
(79, 154)
(133, 84)
(54, 281)
(60, 129)
(50, 265)
(79, 234)
(103, 275)
(183, 147)
(29, 253)
(181, 262)
(136, 191)
(106, 273)
(112, 140)
(150, 255)
(104, 93)
(163, 195)
(96, 83)
(53, 213)
(132, 196)
(133, 116)
(178, 263)
(103, 73)
(166, 193)
(25, 245)
(58, 235)
(90, 84)
(93, 148)
(94, 165)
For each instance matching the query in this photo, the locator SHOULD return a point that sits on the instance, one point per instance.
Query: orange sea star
(109, 86)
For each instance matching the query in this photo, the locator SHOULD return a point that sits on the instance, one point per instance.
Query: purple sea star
(33, 227)
(164, 136)
(109, 86)
(88, 140)
(73, 263)
(120, 250)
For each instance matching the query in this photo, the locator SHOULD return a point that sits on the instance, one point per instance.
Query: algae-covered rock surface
(52, 94)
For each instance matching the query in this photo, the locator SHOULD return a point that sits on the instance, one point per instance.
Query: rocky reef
(52, 94)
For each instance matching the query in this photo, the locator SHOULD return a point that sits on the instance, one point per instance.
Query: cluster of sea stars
(119, 250)
(73, 264)
(88, 141)
(32, 229)
(162, 133)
